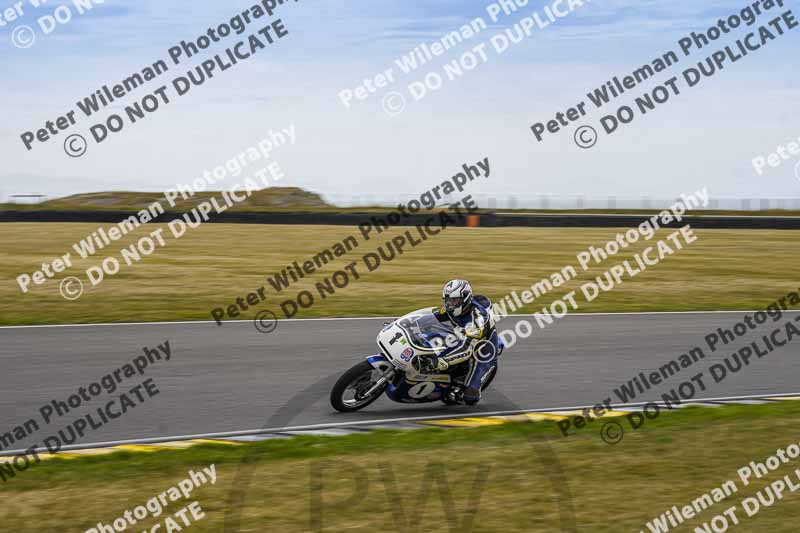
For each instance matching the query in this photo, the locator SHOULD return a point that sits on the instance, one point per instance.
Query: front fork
(379, 362)
(378, 384)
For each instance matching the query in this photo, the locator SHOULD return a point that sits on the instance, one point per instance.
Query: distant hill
(270, 199)
(297, 199)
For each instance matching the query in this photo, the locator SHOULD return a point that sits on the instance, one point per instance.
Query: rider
(471, 316)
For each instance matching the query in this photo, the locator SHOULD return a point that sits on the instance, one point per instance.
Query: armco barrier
(354, 218)
(627, 221)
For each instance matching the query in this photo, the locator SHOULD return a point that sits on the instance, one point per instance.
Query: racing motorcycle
(400, 370)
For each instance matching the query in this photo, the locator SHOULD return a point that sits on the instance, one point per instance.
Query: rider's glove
(476, 328)
(473, 331)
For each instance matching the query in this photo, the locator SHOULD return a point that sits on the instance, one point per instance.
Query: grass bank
(214, 264)
(510, 475)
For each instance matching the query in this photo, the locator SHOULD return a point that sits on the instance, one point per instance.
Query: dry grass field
(214, 264)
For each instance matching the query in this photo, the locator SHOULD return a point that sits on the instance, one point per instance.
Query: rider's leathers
(477, 323)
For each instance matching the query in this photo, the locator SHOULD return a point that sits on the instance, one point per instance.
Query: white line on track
(331, 425)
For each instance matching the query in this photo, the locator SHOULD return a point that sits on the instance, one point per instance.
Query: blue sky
(705, 137)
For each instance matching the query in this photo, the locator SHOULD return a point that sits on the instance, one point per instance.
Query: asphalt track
(232, 378)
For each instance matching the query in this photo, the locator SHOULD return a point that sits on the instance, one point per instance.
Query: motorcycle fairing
(414, 387)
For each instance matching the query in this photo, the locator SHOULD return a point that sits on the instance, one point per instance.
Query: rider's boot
(471, 396)
(455, 396)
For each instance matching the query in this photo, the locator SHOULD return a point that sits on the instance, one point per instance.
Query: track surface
(232, 378)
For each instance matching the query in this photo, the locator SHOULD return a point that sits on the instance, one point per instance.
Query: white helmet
(456, 297)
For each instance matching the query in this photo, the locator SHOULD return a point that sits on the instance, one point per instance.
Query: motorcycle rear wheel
(357, 380)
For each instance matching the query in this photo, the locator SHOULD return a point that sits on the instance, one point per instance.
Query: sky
(707, 136)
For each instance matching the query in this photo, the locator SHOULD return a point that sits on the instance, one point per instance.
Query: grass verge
(430, 479)
(214, 264)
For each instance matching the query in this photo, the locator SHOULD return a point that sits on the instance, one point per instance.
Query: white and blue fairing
(416, 334)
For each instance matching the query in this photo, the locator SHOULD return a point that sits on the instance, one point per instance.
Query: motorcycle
(399, 370)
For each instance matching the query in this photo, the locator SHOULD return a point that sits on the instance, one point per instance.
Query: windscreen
(424, 328)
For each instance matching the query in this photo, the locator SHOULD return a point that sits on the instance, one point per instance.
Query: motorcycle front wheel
(349, 392)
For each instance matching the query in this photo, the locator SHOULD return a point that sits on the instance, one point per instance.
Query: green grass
(214, 264)
(526, 467)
